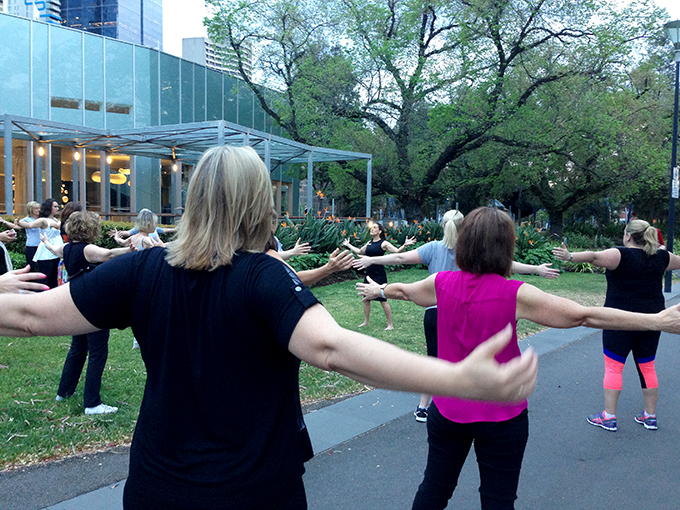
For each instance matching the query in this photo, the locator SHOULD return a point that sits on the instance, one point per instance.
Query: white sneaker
(100, 409)
(59, 398)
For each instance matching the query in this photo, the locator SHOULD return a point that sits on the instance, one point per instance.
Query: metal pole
(674, 159)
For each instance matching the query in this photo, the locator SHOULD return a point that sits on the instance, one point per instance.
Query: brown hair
(84, 227)
(486, 242)
(69, 209)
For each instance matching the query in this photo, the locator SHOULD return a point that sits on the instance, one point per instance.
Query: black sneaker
(421, 414)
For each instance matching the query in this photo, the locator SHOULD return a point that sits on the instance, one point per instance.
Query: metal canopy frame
(179, 142)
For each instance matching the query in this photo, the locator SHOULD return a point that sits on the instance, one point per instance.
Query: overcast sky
(184, 18)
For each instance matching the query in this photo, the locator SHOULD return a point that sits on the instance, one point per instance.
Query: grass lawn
(33, 427)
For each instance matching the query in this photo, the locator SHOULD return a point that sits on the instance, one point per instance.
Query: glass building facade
(134, 21)
(69, 76)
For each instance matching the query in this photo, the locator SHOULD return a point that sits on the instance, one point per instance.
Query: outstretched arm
(387, 246)
(21, 280)
(56, 250)
(96, 254)
(557, 312)
(358, 251)
(409, 257)
(298, 249)
(422, 293)
(543, 270)
(336, 262)
(609, 259)
(320, 341)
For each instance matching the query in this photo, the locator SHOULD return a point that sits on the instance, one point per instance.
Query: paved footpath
(371, 453)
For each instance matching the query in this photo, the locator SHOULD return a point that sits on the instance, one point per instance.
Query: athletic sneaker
(421, 414)
(600, 421)
(100, 409)
(649, 422)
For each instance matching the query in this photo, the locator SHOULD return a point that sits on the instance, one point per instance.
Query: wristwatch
(382, 290)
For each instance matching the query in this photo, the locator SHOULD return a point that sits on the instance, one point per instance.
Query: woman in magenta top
(474, 302)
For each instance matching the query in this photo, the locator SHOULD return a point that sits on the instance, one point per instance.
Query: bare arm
(336, 262)
(543, 270)
(609, 259)
(673, 261)
(557, 312)
(56, 250)
(96, 255)
(387, 246)
(298, 249)
(21, 280)
(50, 313)
(320, 341)
(358, 251)
(409, 257)
(422, 293)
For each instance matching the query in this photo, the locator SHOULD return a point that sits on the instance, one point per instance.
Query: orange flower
(531, 241)
(344, 232)
(355, 234)
(414, 221)
(283, 224)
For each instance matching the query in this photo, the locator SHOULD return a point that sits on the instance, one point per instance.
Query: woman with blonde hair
(439, 256)
(228, 321)
(634, 274)
(472, 302)
(32, 233)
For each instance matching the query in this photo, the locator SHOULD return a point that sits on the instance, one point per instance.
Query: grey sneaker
(421, 414)
(649, 422)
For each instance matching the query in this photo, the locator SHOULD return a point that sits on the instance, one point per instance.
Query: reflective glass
(93, 178)
(66, 73)
(187, 91)
(119, 183)
(119, 97)
(147, 183)
(95, 107)
(258, 114)
(146, 87)
(199, 93)
(14, 54)
(169, 89)
(245, 105)
(230, 94)
(214, 94)
(41, 72)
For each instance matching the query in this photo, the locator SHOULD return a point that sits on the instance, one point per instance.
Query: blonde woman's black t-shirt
(220, 422)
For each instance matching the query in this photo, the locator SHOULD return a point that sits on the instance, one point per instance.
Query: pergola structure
(179, 143)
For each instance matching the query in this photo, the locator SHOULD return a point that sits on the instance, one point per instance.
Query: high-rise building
(135, 21)
(203, 51)
(43, 10)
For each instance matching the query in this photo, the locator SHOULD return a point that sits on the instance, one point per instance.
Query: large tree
(436, 78)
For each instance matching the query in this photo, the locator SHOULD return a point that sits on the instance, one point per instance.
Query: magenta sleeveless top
(472, 308)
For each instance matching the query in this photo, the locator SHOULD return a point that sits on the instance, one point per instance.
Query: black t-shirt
(636, 284)
(220, 421)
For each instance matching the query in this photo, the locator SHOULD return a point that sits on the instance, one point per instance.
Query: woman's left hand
(548, 272)
(369, 291)
(561, 252)
(409, 241)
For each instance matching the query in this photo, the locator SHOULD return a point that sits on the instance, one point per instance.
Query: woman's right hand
(346, 242)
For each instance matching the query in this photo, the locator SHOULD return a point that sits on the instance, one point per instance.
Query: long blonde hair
(451, 222)
(643, 235)
(228, 208)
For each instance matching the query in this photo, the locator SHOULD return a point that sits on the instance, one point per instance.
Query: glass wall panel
(199, 93)
(19, 177)
(245, 105)
(146, 87)
(169, 89)
(66, 73)
(62, 172)
(148, 184)
(41, 74)
(119, 86)
(187, 91)
(230, 95)
(258, 114)
(93, 201)
(166, 188)
(95, 106)
(15, 85)
(119, 186)
(214, 94)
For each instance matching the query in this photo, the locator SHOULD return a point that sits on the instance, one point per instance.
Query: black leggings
(499, 447)
(430, 327)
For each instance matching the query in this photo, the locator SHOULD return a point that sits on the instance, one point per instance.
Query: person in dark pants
(83, 228)
(469, 301)
(32, 234)
(634, 282)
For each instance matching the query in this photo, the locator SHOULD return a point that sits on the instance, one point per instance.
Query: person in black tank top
(634, 283)
(376, 247)
(83, 229)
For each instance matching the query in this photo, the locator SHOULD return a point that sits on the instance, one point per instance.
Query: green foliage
(18, 259)
(532, 247)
